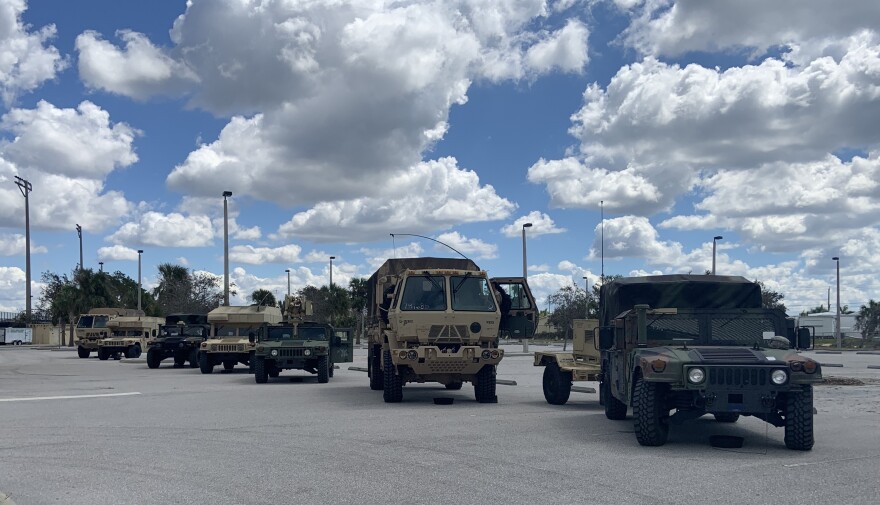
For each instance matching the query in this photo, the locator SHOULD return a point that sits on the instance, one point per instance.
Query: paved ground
(177, 436)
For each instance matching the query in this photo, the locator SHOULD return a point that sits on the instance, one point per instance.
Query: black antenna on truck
(429, 238)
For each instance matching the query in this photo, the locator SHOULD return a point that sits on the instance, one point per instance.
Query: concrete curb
(5, 500)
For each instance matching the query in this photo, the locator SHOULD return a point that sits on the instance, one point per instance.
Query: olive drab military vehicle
(233, 335)
(676, 347)
(179, 338)
(129, 336)
(91, 328)
(439, 320)
(582, 363)
(299, 344)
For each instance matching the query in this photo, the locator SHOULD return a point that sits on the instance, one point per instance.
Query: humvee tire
(614, 408)
(153, 358)
(374, 370)
(103, 354)
(82, 352)
(454, 386)
(726, 417)
(133, 352)
(194, 358)
(392, 383)
(228, 365)
(799, 420)
(260, 373)
(323, 370)
(484, 389)
(274, 372)
(205, 363)
(651, 427)
(557, 384)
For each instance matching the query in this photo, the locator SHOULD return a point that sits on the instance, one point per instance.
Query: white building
(823, 324)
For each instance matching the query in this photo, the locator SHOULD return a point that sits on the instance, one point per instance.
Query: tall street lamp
(140, 252)
(100, 266)
(226, 194)
(525, 341)
(288, 281)
(837, 316)
(715, 239)
(586, 297)
(25, 187)
(79, 231)
(331, 272)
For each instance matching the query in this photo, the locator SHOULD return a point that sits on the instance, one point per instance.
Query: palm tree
(263, 297)
(868, 320)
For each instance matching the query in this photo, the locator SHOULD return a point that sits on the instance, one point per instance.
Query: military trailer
(582, 363)
(129, 336)
(439, 320)
(676, 347)
(91, 328)
(299, 344)
(233, 334)
(179, 338)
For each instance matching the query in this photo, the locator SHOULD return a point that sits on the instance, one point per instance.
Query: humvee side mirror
(606, 338)
(251, 337)
(803, 338)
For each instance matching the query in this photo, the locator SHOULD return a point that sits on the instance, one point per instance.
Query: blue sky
(337, 124)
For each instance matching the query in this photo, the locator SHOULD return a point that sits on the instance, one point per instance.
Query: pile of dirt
(841, 381)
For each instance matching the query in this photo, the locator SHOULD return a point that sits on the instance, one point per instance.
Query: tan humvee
(130, 335)
(91, 328)
(233, 330)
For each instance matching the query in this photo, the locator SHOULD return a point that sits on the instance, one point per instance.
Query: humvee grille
(113, 343)
(728, 355)
(290, 353)
(448, 334)
(440, 367)
(739, 377)
(230, 348)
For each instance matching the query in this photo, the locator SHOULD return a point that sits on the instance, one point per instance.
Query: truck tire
(274, 371)
(133, 352)
(82, 352)
(205, 363)
(392, 383)
(194, 358)
(323, 370)
(153, 358)
(799, 420)
(454, 386)
(484, 389)
(103, 354)
(726, 417)
(260, 373)
(228, 365)
(557, 384)
(374, 370)
(651, 423)
(614, 408)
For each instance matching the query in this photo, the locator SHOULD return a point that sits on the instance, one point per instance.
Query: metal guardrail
(37, 316)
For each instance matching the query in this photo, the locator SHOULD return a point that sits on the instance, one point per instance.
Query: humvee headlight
(412, 355)
(307, 352)
(486, 354)
(495, 354)
(274, 352)
(696, 375)
(779, 377)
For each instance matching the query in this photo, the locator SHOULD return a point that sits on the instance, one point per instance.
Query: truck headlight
(307, 352)
(274, 352)
(486, 354)
(696, 375)
(779, 377)
(412, 355)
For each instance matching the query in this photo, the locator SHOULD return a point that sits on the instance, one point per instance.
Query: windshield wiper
(455, 289)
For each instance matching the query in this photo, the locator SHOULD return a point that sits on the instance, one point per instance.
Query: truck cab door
(520, 319)
(342, 345)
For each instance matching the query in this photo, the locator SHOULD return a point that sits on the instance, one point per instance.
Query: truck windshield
(424, 292)
(100, 322)
(233, 331)
(127, 333)
(194, 331)
(311, 333)
(85, 322)
(471, 294)
(282, 333)
(716, 329)
(170, 331)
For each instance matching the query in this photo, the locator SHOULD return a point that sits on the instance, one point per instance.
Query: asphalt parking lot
(79, 431)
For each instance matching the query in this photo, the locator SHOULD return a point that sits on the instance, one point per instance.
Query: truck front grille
(453, 367)
(230, 348)
(291, 353)
(448, 334)
(113, 343)
(738, 377)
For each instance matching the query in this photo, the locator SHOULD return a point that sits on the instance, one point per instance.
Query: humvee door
(342, 345)
(520, 318)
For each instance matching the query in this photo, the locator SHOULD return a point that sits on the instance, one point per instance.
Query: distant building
(823, 324)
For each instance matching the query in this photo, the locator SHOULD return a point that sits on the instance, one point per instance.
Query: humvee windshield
(471, 294)
(283, 333)
(710, 329)
(424, 292)
(128, 333)
(170, 331)
(311, 333)
(235, 331)
(194, 331)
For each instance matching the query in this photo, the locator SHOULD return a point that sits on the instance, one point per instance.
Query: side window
(518, 297)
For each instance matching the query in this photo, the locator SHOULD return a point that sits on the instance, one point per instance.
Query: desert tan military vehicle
(129, 336)
(439, 320)
(91, 328)
(233, 335)
(582, 363)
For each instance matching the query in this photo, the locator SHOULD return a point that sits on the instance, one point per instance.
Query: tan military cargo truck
(582, 363)
(129, 336)
(91, 328)
(439, 320)
(233, 335)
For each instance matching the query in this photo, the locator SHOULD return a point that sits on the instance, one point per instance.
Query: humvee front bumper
(426, 360)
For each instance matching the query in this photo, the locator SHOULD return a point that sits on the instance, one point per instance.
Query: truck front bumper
(427, 360)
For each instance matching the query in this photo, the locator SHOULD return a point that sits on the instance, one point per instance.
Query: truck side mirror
(251, 337)
(606, 338)
(803, 338)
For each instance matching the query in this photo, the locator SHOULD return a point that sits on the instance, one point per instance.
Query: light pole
(25, 187)
(331, 272)
(79, 231)
(525, 341)
(837, 316)
(715, 239)
(140, 252)
(288, 281)
(586, 298)
(226, 194)
(100, 266)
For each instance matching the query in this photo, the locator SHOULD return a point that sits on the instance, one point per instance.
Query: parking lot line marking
(35, 398)
(830, 461)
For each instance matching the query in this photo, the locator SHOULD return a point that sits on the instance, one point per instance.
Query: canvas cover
(678, 291)
(398, 265)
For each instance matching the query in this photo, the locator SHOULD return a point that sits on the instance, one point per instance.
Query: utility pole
(25, 187)
(79, 232)
(226, 194)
